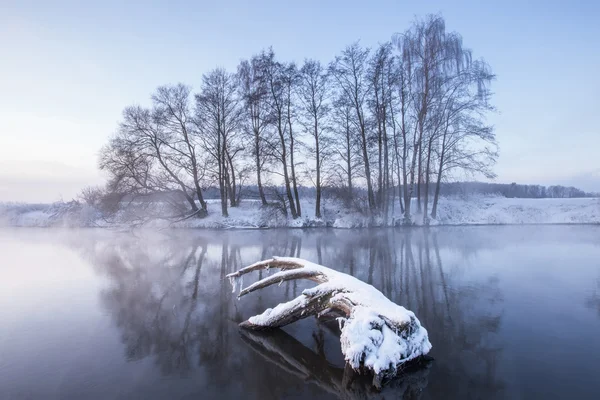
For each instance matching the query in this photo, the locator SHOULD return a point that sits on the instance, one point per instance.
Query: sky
(67, 70)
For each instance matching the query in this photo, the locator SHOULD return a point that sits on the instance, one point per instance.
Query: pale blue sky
(67, 69)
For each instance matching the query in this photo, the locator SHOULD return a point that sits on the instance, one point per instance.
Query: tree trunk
(348, 162)
(407, 193)
(421, 122)
(190, 200)
(221, 173)
(400, 186)
(194, 162)
(286, 178)
(261, 191)
(409, 189)
(379, 163)
(318, 183)
(232, 186)
(199, 193)
(427, 173)
(197, 183)
(293, 170)
(420, 169)
(365, 153)
(436, 196)
(386, 166)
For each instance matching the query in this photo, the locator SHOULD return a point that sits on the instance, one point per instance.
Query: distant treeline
(510, 190)
(513, 190)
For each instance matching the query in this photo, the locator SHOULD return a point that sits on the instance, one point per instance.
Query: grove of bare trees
(384, 126)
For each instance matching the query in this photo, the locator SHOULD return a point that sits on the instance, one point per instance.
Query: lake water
(512, 313)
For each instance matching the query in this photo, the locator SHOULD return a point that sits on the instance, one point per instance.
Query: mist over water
(512, 312)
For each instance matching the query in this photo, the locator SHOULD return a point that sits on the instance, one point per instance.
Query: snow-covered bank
(473, 210)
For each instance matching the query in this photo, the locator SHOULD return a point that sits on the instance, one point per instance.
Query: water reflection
(288, 354)
(593, 301)
(170, 301)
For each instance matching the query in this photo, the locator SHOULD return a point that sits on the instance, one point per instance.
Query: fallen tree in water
(376, 334)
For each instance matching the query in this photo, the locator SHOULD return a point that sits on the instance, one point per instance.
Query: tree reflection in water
(593, 301)
(170, 302)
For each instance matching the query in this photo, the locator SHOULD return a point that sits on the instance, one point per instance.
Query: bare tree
(217, 121)
(405, 123)
(345, 144)
(461, 137)
(313, 93)
(382, 77)
(273, 72)
(152, 152)
(349, 72)
(440, 104)
(291, 79)
(253, 91)
(172, 107)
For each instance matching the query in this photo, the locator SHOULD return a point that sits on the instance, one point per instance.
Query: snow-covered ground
(472, 210)
(500, 210)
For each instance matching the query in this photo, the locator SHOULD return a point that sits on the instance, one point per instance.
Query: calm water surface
(512, 312)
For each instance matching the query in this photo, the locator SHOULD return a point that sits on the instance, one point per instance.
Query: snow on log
(376, 334)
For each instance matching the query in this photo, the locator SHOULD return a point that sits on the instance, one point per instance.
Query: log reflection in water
(288, 354)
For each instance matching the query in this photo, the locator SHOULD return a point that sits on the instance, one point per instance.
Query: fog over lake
(513, 312)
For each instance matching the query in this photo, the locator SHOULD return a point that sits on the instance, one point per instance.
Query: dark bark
(261, 191)
(318, 183)
(293, 170)
(221, 169)
(162, 162)
(420, 169)
(349, 158)
(386, 167)
(436, 195)
(365, 154)
(233, 194)
(427, 177)
(286, 178)
(274, 73)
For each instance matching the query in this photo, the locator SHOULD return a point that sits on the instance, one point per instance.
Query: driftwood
(376, 334)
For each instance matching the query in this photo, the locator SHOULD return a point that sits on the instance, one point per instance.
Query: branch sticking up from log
(376, 334)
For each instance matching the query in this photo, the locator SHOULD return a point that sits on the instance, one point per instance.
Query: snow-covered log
(376, 334)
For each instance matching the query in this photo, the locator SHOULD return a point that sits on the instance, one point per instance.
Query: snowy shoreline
(454, 211)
